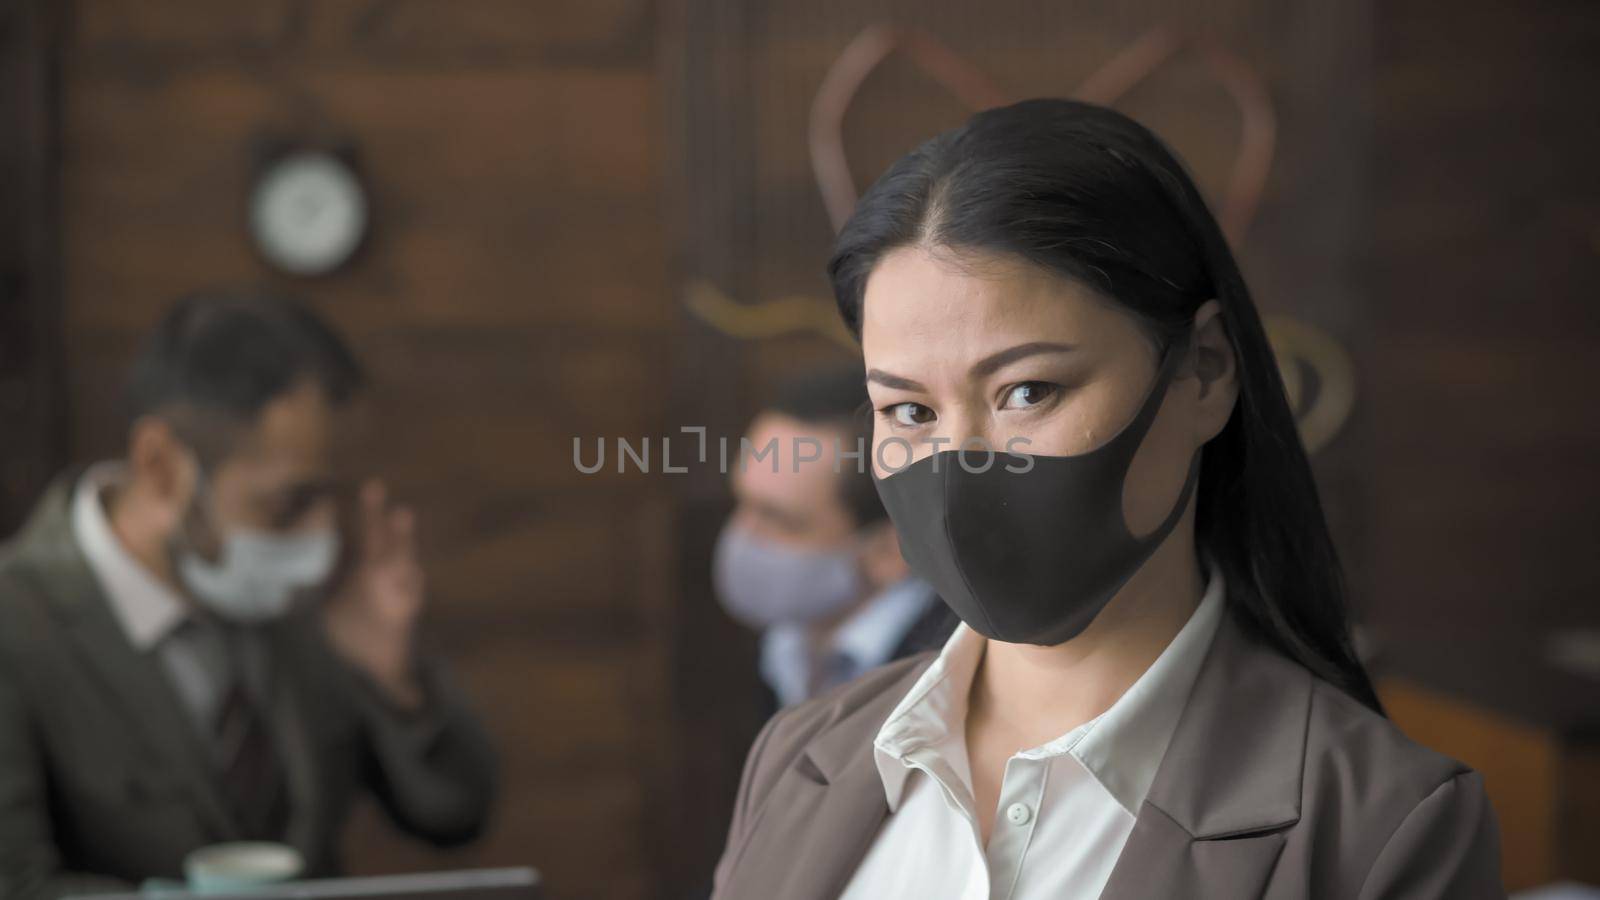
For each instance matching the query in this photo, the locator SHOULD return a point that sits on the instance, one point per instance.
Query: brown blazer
(1276, 785)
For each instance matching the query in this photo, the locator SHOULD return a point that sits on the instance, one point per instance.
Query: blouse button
(1018, 813)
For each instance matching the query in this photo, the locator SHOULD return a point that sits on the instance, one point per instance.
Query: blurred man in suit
(809, 557)
(178, 667)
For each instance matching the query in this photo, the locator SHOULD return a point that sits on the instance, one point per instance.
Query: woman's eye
(1027, 394)
(910, 415)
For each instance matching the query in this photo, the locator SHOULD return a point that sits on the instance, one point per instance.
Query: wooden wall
(30, 363)
(514, 294)
(1481, 345)
(1479, 355)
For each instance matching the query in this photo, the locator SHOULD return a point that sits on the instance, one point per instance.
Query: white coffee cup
(241, 866)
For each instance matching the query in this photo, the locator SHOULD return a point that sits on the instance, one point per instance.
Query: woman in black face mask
(1154, 692)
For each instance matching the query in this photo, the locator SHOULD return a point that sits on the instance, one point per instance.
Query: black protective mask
(1029, 555)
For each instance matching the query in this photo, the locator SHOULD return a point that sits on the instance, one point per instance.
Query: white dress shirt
(865, 640)
(1065, 808)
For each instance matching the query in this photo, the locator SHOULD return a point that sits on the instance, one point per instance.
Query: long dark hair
(1092, 195)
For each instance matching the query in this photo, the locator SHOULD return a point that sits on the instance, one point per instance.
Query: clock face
(308, 213)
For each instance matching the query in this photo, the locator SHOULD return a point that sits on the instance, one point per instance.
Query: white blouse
(1066, 807)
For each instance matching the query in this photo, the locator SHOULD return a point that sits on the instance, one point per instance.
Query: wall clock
(308, 212)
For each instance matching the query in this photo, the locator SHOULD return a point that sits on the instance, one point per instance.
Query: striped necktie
(252, 777)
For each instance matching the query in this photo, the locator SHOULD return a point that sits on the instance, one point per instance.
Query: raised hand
(371, 621)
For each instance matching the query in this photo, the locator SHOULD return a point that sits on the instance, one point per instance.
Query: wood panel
(514, 294)
(1483, 337)
(1487, 269)
(474, 34)
(31, 391)
(473, 231)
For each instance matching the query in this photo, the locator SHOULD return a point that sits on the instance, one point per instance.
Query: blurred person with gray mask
(809, 557)
(214, 639)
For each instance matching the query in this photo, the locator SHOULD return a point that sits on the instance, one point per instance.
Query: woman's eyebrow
(894, 381)
(987, 366)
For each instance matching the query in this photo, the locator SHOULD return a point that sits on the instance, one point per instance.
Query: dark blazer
(1276, 785)
(928, 632)
(104, 780)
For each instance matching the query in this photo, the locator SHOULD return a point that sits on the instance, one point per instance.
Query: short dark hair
(218, 357)
(836, 397)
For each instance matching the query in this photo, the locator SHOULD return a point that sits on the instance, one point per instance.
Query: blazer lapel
(1162, 859)
(139, 689)
(144, 695)
(834, 781)
(1212, 825)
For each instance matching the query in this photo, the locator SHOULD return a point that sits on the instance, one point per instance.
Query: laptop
(471, 884)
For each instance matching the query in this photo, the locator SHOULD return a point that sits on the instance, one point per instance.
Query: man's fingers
(403, 531)
(374, 530)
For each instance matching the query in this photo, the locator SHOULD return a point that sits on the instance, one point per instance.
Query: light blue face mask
(258, 574)
(762, 582)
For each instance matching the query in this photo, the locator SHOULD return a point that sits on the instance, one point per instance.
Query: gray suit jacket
(1276, 785)
(104, 780)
